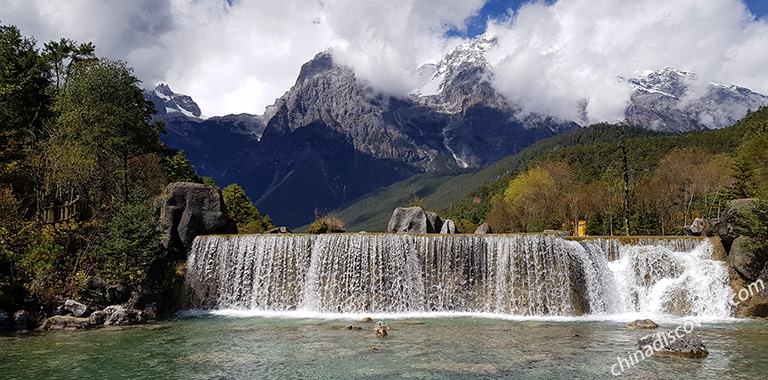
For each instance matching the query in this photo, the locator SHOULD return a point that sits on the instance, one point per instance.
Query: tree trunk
(626, 185)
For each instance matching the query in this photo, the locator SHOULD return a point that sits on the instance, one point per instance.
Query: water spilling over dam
(526, 275)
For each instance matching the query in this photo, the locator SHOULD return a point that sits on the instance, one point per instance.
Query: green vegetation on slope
(671, 180)
(458, 192)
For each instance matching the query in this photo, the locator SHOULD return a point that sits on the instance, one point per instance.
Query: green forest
(80, 163)
(623, 178)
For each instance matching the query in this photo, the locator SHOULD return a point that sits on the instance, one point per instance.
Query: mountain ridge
(330, 138)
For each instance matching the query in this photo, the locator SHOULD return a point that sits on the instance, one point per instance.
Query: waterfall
(526, 275)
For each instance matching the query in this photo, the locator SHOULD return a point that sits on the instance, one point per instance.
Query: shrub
(326, 223)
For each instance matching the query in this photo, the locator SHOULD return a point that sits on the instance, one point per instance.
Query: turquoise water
(216, 347)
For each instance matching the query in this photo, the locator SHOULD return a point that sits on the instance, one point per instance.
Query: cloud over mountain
(238, 56)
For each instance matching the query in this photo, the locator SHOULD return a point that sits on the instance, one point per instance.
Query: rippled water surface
(218, 347)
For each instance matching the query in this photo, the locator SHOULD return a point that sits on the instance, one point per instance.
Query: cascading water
(526, 275)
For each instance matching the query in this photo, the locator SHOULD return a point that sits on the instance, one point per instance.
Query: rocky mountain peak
(467, 57)
(170, 104)
(670, 81)
(321, 63)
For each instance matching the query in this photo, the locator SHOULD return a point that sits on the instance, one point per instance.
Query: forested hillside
(670, 180)
(80, 163)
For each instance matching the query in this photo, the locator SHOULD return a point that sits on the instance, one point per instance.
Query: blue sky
(496, 9)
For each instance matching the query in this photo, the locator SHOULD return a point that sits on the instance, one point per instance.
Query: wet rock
(74, 308)
(65, 322)
(449, 227)
(558, 232)
(380, 330)
(5, 321)
(678, 342)
(97, 317)
(189, 210)
(20, 320)
(279, 230)
(748, 263)
(414, 220)
(366, 320)
(483, 229)
(120, 316)
(350, 327)
(643, 324)
(702, 227)
(726, 226)
(383, 325)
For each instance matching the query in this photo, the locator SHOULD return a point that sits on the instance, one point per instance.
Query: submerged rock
(380, 330)
(643, 324)
(414, 220)
(677, 342)
(366, 320)
(350, 327)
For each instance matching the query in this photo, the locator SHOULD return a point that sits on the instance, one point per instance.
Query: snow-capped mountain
(671, 100)
(467, 58)
(330, 138)
(170, 104)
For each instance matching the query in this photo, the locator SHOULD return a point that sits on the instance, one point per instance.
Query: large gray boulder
(726, 225)
(414, 220)
(484, 228)
(677, 342)
(748, 263)
(98, 317)
(74, 308)
(117, 315)
(189, 210)
(449, 227)
(66, 322)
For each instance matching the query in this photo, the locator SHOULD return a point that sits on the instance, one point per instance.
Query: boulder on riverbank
(20, 320)
(414, 220)
(119, 316)
(748, 263)
(679, 343)
(643, 324)
(66, 322)
(73, 308)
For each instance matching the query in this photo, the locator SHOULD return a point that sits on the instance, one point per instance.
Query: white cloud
(239, 58)
(552, 57)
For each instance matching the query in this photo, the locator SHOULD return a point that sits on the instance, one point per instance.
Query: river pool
(224, 347)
